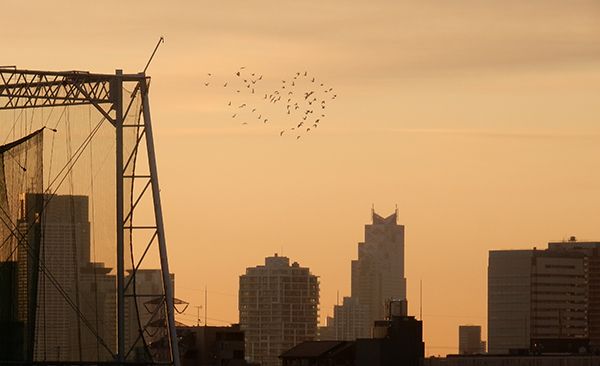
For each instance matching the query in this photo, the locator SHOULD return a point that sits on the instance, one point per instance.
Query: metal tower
(26, 89)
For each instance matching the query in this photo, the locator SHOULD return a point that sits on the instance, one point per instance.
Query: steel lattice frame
(36, 89)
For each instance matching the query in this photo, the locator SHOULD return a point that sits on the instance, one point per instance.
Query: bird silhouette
(295, 106)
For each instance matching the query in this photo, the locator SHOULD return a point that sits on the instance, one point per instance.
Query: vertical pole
(118, 107)
(160, 226)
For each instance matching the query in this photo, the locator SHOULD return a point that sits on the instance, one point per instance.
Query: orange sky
(479, 120)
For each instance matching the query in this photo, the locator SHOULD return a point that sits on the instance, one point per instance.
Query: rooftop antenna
(161, 40)
(198, 315)
(205, 304)
(421, 299)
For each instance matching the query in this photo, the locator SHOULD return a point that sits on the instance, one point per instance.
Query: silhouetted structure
(591, 250)
(377, 275)
(535, 294)
(469, 340)
(202, 346)
(506, 360)
(396, 341)
(320, 353)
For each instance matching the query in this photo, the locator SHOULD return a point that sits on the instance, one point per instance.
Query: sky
(478, 120)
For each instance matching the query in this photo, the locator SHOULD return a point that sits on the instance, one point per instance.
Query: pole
(118, 107)
(160, 226)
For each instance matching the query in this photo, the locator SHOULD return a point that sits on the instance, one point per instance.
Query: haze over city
(478, 121)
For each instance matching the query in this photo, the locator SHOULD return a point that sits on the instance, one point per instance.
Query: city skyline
(478, 121)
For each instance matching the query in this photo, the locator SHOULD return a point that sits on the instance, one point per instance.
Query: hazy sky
(479, 120)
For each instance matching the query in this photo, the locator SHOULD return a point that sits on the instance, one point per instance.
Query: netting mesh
(58, 233)
(20, 172)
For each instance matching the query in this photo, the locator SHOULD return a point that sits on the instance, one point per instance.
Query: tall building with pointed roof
(378, 273)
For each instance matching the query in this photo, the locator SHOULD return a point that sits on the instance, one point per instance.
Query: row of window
(287, 300)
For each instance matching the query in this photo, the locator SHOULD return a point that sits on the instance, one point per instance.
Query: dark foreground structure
(211, 345)
(493, 360)
(399, 342)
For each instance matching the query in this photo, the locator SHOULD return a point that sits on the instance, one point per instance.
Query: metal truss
(35, 89)
(30, 89)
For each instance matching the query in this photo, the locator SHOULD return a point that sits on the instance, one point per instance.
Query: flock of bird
(299, 101)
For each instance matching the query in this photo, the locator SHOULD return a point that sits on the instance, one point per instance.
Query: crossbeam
(32, 89)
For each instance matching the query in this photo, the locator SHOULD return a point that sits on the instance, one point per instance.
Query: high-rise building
(378, 273)
(591, 250)
(469, 340)
(535, 295)
(75, 298)
(278, 305)
(350, 320)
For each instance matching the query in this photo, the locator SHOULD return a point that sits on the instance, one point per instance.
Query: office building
(378, 273)
(70, 294)
(591, 250)
(535, 295)
(278, 305)
(350, 320)
(469, 340)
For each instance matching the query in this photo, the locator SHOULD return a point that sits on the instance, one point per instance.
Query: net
(58, 212)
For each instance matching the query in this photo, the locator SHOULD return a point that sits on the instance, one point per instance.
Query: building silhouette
(469, 340)
(535, 295)
(70, 294)
(278, 305)
(397, 341)
(591, 251)
(204, 345)
(377, 276)
(62, 304)
(350, 320)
